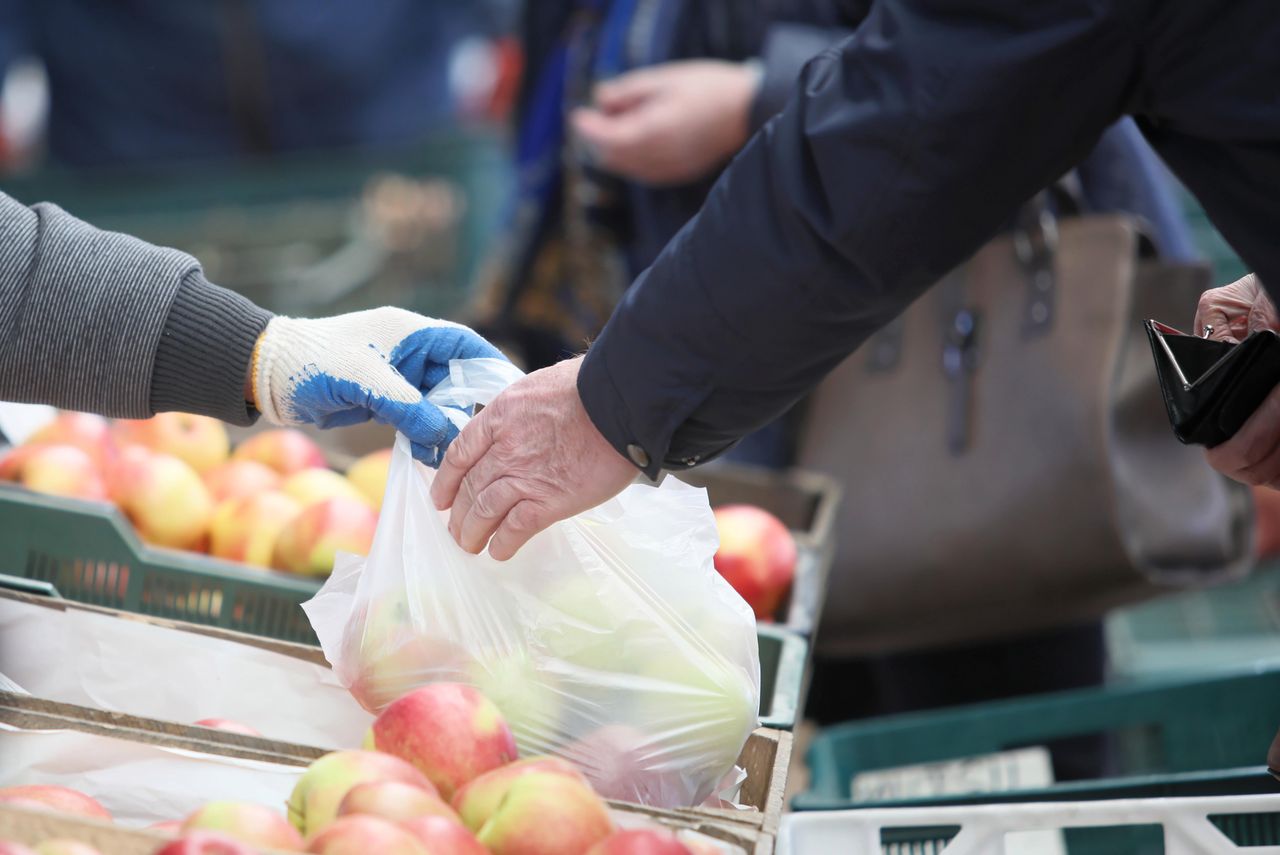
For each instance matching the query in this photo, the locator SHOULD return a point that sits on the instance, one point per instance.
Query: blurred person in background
(148, 83)
(628, 114)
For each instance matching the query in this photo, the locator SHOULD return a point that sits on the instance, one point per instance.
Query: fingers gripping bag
(609, 639)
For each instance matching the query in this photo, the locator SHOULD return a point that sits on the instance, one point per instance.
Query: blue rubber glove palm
(377, 364)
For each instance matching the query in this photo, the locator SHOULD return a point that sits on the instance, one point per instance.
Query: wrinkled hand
(1234, 311)
(671, 123)
(529, 459)
(377, 364)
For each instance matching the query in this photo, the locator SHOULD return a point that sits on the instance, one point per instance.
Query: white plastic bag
(609, 639)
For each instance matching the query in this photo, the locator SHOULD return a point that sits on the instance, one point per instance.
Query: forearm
(102, 322)
(891, 163)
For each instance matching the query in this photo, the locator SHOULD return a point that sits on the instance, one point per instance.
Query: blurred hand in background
(669, 124)
(1234, 311)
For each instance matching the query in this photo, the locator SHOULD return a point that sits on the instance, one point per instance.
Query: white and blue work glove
(377, 364)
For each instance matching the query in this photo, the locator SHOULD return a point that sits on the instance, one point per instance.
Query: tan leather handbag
(1005, 454)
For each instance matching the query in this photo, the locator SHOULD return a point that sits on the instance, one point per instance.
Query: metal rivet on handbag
(1005, 454)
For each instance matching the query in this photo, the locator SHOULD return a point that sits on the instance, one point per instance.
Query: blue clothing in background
(146, 81)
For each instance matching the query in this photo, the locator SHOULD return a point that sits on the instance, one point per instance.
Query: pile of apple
(270, 502)
(438, 775)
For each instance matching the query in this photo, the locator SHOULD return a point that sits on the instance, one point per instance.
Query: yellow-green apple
(640, 841)
(757, 556)
(309, 542)
(65, 846)
(198, 441)
(448, 731)
(284, 449)
(309, 486)
(246, 529)
(238, 478)
(529, 697)
(477, 800)
(326, 782)
(359, 834)
(394, 800)
(590, 626)
(205, 843)
(59, 470)
(387, 654)
(229, 726)
(58, 799)
(90, 433)
(163, 497)
(443, 836)
(369, 475)
(546, 814)
(249, 823)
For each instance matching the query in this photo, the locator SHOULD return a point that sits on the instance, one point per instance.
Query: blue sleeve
(901, 151)
(1123, 173)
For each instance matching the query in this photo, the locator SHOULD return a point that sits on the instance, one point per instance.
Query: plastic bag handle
(471, 382)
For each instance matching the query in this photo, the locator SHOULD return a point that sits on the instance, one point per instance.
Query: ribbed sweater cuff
(204, 352)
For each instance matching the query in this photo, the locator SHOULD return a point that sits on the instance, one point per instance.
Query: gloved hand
(377, 364)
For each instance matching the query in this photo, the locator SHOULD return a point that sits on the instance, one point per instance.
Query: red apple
(284, 450)
(59, 799)
(198, 441)
(90, 433)
(395, 801)
(477, 800)
(757, 556)
(640, 841)
(364, 835)
(308, 543)
(247, 529)
(321, 789)
(249, 823)
(65, 846)
(443, 836)
(546, 814)
(205, 843)
(236, 479)
(228, 725)
(449, 731)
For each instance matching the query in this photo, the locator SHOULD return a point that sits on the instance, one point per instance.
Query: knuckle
(525, 518)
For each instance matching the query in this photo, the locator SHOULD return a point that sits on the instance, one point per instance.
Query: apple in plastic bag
(528, 696)
(449, 731)
(385, 655)
(589, 625)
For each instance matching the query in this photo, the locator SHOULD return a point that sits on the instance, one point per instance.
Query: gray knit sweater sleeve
(102, 322)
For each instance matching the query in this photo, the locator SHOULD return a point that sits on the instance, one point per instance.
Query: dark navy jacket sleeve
(787, 48)
(902, 150)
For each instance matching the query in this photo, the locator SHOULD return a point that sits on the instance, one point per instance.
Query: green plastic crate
(1231, 626)
(89, 553)
(1159, 729)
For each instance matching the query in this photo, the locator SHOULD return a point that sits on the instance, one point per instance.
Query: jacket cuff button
(638, 455)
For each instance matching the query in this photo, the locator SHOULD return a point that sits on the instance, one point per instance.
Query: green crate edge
(787, 679)
(829, 773)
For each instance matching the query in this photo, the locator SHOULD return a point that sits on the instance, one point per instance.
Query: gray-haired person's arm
(102, 322)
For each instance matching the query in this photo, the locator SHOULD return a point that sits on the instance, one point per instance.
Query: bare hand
(671, 123)
(1234, 311)
(529, 459)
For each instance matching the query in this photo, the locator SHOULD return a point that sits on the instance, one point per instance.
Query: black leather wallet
(1211, 388)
